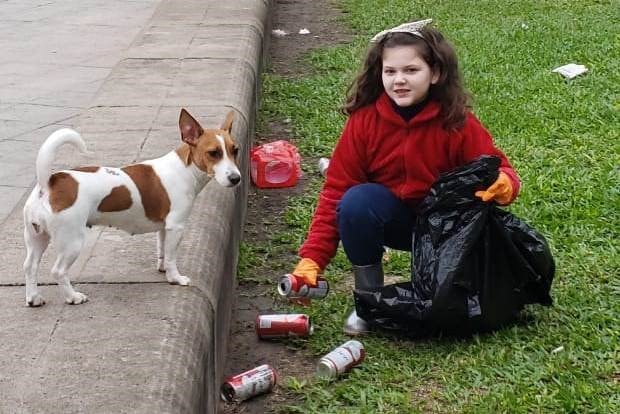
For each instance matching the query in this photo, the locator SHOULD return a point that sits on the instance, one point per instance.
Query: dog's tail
(47, 152)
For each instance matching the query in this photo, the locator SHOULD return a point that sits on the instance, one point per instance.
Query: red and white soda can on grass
(341, 359)
(283, 326)
(248, 384)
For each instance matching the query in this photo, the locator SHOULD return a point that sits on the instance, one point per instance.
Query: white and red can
(283, 326)
(246, 385)
(341, 359)
(293, 286)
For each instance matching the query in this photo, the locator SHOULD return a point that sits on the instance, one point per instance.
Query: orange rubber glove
(500, 190)
(308, 270)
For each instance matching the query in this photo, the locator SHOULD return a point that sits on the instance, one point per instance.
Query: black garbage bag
(474, 265)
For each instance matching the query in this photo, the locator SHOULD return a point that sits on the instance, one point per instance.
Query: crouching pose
(409, 121)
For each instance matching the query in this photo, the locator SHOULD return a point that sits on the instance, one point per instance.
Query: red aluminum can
(293, 286)
(283, 326)
(248, 384)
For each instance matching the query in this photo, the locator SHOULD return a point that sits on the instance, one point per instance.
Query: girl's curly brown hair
(438, 53)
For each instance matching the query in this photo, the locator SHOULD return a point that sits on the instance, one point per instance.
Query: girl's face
(406, 76)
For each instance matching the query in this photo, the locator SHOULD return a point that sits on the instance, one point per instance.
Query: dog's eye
(235, 151)
(214, 153)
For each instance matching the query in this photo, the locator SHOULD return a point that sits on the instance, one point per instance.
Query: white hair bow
(411, 27)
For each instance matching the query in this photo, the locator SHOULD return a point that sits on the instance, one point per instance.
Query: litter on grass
(558, 349)
(323, 165)
(571, 70)
(283, 326)
(248, 384)
(341, 359)
(275, 164)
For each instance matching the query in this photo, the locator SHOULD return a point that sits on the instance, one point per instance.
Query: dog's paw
(76, 298)
(179, 280)
(35, 301)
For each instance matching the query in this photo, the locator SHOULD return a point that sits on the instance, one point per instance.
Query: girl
(409, 122)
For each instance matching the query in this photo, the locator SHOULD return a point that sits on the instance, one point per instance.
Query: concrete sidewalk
(119, 72)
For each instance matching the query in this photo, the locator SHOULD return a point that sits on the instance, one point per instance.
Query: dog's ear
(190, 128)
(227, 125)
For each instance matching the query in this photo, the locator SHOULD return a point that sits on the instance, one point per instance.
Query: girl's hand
(308, 270)
(500, 190)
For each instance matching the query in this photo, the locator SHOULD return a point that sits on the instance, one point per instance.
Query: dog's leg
(36, 243)
(69, 248)
(172, 239)
(161, 240)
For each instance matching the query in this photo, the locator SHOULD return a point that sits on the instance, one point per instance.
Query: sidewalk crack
(49, 339)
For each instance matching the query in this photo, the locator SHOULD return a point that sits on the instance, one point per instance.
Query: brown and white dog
(150, 196)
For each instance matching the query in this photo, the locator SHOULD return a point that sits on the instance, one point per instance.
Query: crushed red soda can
(341, 359)
(283, 326)
(248, 384)
(292, 286)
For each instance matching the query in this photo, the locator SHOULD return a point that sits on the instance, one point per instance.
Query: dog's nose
(234, 179)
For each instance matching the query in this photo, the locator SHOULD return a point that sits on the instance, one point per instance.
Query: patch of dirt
(265, 214)
(320, 17)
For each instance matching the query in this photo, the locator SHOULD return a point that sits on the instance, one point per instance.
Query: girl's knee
(363, 194)
(359, 201)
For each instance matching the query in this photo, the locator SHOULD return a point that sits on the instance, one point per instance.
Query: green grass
(561, 136)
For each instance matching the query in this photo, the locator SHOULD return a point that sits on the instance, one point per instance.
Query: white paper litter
(304, 31)
(571, 70)
(558, 349)
(279, 32)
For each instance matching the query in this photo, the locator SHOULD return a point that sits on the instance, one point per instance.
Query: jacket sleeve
(346, 168)
(477, 141)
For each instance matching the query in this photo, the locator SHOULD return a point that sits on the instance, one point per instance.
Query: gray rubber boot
(367, 278)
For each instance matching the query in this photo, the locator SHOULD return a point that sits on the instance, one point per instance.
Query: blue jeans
(369, 217)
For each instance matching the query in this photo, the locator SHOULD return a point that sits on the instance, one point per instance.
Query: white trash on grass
(279, 32)
(558, 349)
(571, 70)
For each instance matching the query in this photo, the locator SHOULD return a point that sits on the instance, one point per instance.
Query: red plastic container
(275, 165)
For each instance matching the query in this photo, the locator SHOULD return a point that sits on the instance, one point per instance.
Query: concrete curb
(141, 345)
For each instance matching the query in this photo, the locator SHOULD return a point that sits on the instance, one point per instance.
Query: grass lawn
(563, 139)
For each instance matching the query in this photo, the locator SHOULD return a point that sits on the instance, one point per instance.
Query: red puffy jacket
(377, 145)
